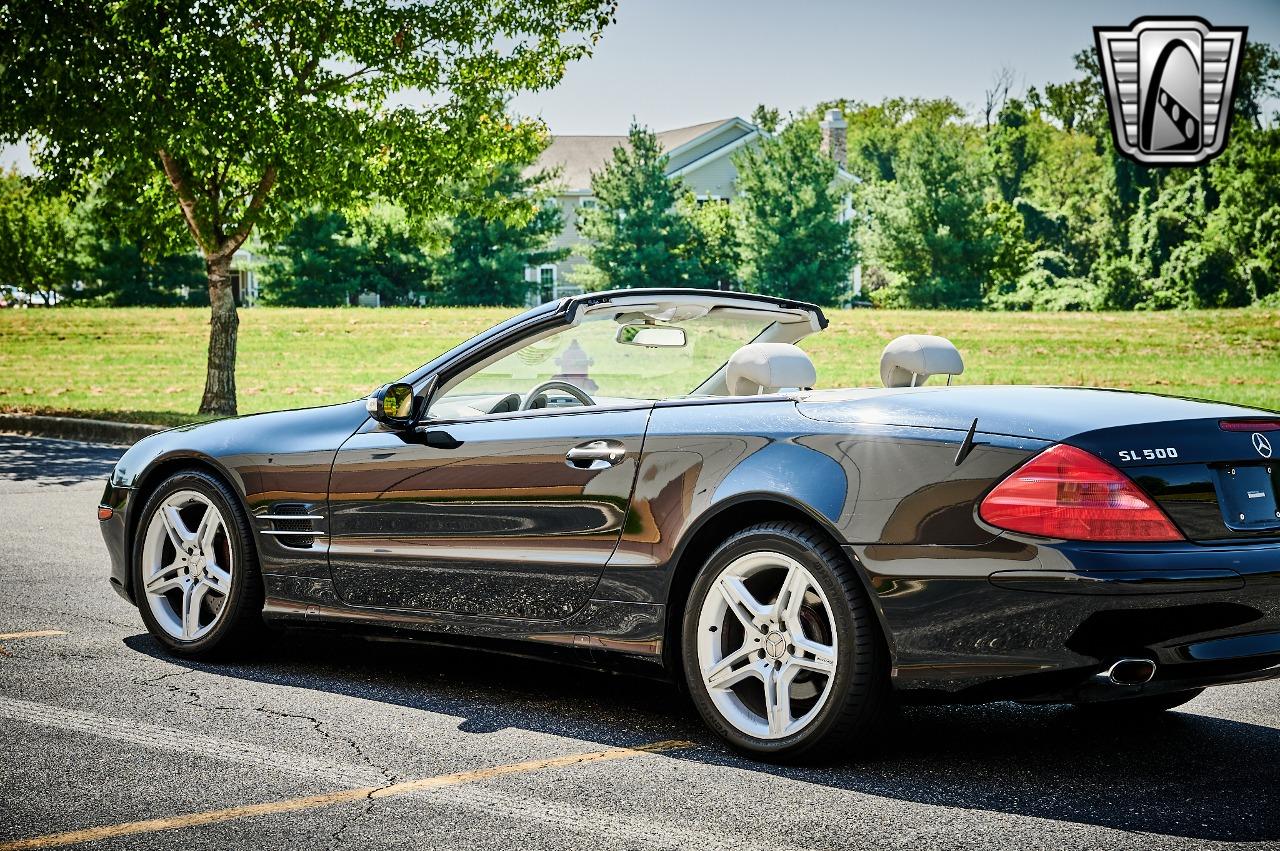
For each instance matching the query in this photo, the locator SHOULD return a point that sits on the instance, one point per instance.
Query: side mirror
(393, 405)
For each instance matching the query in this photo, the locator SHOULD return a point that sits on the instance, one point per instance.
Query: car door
(502, 516)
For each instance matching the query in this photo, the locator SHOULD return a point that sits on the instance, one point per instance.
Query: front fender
(284, 456)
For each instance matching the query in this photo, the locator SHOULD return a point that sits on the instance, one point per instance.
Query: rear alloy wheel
(781, 650)
(196, 581)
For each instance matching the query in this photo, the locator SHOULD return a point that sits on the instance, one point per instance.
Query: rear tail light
(1249, 425)
(1065, 492)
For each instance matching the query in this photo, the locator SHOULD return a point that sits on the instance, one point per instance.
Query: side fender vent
(292, 524)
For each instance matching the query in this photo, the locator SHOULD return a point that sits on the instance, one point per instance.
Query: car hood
(1048, 413)
(302, 430)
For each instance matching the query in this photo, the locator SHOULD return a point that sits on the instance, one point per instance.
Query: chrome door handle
(595, 455)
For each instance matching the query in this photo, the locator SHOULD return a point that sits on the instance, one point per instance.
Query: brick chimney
(835, 132)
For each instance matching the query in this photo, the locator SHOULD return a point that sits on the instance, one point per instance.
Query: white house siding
(569, 206)
(569, 237)
(718, 178)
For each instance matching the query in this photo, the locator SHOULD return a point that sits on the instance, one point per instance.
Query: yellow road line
(40, 633)
(328, 799)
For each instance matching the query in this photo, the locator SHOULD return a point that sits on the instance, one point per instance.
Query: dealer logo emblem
(1169, 83)
(1261, 444)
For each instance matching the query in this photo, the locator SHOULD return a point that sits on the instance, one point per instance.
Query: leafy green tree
(874, 134)
(1118, 284)
(1080, 106)
(795, 241)
(1052, 217)
(931, 228)
(490, 249)
(1074, 104)
(1246, 179)
(1014, 148)
(1182, 260)
(1057, 182)
(1259, 82)
(1065, 198)
(876, 131)
(36, 239)
(767, 118)
(128, 258)
(1007, 284)
(124, 274)
(248, 111)
(317, 264)
(714, 243)
(635, 230)
(330, 258)
(395, 260)
(1204, 273)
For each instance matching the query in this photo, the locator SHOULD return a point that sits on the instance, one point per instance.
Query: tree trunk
(220, 381)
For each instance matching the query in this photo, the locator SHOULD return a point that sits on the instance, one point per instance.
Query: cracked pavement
(99, 726)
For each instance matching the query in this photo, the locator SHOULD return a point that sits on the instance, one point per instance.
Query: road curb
(74, 428)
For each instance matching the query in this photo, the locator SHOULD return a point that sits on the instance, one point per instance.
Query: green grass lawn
(147, 365)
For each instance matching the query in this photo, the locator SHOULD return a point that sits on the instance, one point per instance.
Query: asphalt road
(99, 728)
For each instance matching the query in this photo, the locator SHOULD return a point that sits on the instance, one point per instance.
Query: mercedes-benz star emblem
(775, 644)
(1261, 444)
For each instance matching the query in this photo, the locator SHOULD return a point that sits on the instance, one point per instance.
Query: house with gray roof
(701, 156)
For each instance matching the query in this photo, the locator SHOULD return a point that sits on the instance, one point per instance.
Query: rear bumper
(115, 534)
(1223, 661)
(1016, 619)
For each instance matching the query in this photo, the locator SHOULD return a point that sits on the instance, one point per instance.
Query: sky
(671, 63)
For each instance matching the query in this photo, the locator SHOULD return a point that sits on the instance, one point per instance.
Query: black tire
(860, 701)
(240, 622)
(1137, 707)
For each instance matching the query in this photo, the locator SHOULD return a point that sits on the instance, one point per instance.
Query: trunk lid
(1048, 413)
(1216, 485)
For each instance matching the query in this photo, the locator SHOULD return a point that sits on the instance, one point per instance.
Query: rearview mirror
(652, 336)
(393, 405)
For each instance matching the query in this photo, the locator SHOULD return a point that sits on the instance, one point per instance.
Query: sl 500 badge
(1147, 454)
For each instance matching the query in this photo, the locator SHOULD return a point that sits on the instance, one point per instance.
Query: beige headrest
(909, 360)
(768, 367)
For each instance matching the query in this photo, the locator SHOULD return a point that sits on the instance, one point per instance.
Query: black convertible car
(645, 479)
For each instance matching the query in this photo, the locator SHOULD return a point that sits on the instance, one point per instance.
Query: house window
(585, 204)
(710, 199)
(547, 283)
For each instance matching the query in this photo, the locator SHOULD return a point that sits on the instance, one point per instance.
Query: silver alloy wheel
(767, 645)
(187, 564)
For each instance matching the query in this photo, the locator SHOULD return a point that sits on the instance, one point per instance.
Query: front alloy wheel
(196, 578)
(187, 564)
(782, 653)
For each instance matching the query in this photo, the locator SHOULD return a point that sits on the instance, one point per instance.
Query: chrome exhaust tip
(1131, 672)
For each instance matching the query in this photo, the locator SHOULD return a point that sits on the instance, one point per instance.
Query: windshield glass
(591, 357)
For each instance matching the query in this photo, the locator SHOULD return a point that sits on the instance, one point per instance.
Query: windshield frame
(438, 374)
